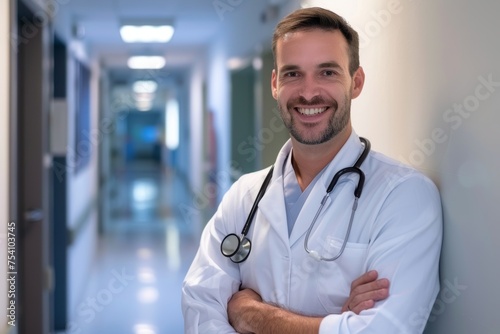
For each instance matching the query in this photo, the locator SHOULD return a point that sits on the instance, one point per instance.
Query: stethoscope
(238, 247)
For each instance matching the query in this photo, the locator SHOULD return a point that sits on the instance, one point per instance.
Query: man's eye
(291, 74)
(329, 73)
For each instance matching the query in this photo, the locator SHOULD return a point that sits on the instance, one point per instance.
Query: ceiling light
(144, 105)
(144, 97)
(150, 30)
(146, 62)
(146, 33)
(144, 86)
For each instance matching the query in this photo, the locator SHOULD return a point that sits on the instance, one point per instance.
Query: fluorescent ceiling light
(144, 105)
(146, 62)
(144, 96)
(144, 86)
(146, 33)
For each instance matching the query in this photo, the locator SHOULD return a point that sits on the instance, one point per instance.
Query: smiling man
(332, 218)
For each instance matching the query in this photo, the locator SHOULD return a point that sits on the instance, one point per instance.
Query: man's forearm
(251, 315)
(274, 320)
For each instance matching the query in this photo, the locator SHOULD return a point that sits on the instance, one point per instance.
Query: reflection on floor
(143, 256)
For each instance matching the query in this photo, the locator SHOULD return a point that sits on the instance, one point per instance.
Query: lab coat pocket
(335, 278)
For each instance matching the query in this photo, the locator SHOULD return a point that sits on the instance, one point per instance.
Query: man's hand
(365, 291)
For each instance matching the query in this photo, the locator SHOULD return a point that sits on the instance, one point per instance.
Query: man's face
(313, 86)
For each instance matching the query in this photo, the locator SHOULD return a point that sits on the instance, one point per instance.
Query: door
(245, 143)
(33, 163)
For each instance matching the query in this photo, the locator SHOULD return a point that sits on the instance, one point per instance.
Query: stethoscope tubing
(260, 194)
(357, 194)
(238, 247)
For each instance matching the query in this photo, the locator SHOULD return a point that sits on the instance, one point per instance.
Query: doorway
(32, 160)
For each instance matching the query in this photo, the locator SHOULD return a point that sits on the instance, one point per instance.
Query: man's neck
(309, 160)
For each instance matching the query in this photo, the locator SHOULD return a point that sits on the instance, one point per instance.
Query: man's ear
(358, 80)
(274, 87)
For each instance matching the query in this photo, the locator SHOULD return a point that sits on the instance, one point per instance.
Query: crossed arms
(247, 313)
(404, 246)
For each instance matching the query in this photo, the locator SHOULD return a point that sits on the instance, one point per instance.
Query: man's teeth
(311, 111)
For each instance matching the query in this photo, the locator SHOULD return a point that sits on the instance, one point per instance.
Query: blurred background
(123, 123)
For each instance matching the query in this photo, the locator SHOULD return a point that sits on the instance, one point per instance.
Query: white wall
(82, 188)
(218, 95)
(4, 150)
(392, 95)
(196, 120)
(461, 53)
(427, 102)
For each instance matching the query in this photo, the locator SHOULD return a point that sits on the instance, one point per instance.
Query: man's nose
(310, 88)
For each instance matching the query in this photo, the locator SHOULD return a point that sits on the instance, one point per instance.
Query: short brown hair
(316, 17)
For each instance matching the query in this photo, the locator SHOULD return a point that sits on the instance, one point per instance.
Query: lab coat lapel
(345, 158)
(308, 211)
(272, 205)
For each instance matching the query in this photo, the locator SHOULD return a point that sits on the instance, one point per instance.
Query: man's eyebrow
(285, 68)
(330, 64)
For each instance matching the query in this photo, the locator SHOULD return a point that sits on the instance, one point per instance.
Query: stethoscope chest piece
(238, 247)
(235, 247)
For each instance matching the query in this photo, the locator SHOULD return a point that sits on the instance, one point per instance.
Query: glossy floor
(143, 256)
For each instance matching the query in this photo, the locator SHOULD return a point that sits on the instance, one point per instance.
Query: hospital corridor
(142, 257)
(123, 124)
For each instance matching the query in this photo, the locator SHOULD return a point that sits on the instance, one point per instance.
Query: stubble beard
(336, 123)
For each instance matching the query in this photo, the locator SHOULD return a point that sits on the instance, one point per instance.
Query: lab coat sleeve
(405, 247)
(212, 278)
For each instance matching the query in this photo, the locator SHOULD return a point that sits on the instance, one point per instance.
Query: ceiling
(198, 24)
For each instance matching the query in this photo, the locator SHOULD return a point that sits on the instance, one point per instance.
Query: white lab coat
(397, 230)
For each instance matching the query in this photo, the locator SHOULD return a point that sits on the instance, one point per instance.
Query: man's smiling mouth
(311, 111)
